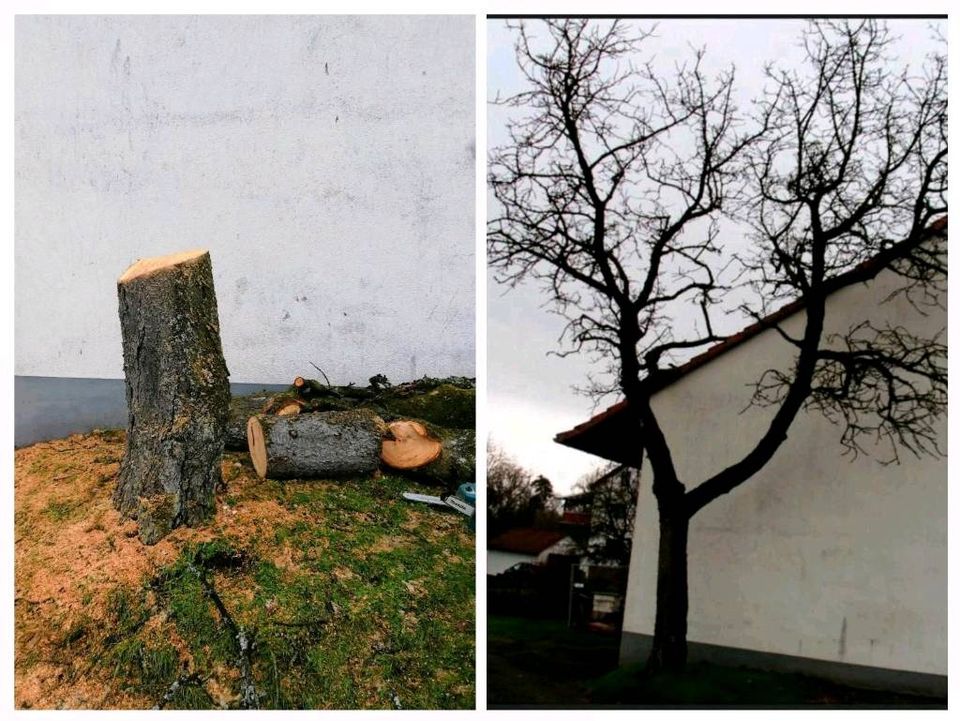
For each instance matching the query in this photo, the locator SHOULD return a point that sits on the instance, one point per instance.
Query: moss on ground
(353, 597)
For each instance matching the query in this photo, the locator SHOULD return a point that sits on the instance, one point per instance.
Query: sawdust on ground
(72, 548)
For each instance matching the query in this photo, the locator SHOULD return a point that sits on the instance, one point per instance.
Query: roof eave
(578, 438)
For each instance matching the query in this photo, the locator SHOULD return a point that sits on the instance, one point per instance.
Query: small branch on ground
(249, 699)
(193, 679)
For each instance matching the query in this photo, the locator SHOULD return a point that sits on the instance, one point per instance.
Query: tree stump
(178, 393)
(315, 445)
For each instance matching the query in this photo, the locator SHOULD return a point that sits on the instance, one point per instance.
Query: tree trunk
(177, 393)
(315, 445)
(669, 652)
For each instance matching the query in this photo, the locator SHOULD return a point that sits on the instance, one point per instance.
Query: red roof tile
(529, 541)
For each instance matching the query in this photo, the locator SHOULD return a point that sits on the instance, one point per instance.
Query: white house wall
(326, 162)
(817, 556)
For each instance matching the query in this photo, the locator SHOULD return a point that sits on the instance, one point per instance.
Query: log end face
(257, 446)
(410, 447)
(290, 409)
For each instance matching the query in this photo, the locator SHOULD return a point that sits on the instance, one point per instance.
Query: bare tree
(611, 192)
(515, 499)
(610, 496)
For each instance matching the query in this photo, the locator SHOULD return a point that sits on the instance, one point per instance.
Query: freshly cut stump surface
(411, 447)
(178, 393)
(315, 445)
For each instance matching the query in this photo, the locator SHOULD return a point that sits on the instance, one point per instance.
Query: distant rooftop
(528, 541)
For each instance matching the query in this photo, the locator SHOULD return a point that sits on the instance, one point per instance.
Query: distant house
(600, 518)
(821, 563)
(524, 545)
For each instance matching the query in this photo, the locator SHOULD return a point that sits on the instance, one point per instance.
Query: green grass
(376, 607)
(60, 510)
(354, 598)
(543, 662)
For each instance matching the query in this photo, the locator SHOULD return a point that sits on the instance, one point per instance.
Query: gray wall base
(46, 408)
(635, 647)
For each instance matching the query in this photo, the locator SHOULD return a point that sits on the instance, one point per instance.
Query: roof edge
(862, 272)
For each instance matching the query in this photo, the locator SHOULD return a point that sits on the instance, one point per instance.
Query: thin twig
(248, 693)
(329, 385)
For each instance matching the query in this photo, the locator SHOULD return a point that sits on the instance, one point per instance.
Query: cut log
(178, 393)
(447, 402)
(311, 390)
(409, 446)
(241, 408)
(307, 388)
(290, 408)
(282, 404)
(315, 445)
(454, 464)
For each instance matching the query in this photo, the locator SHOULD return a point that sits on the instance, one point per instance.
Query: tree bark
(315, 445)
(669, 652)
(177, 393)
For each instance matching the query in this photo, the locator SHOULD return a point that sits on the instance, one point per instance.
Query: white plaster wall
(327, 163)
(816, 556)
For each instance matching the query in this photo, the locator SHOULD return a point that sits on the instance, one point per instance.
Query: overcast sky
(530, 396)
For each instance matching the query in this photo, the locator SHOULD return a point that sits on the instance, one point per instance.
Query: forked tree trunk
(669, 652)
(177, 393)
